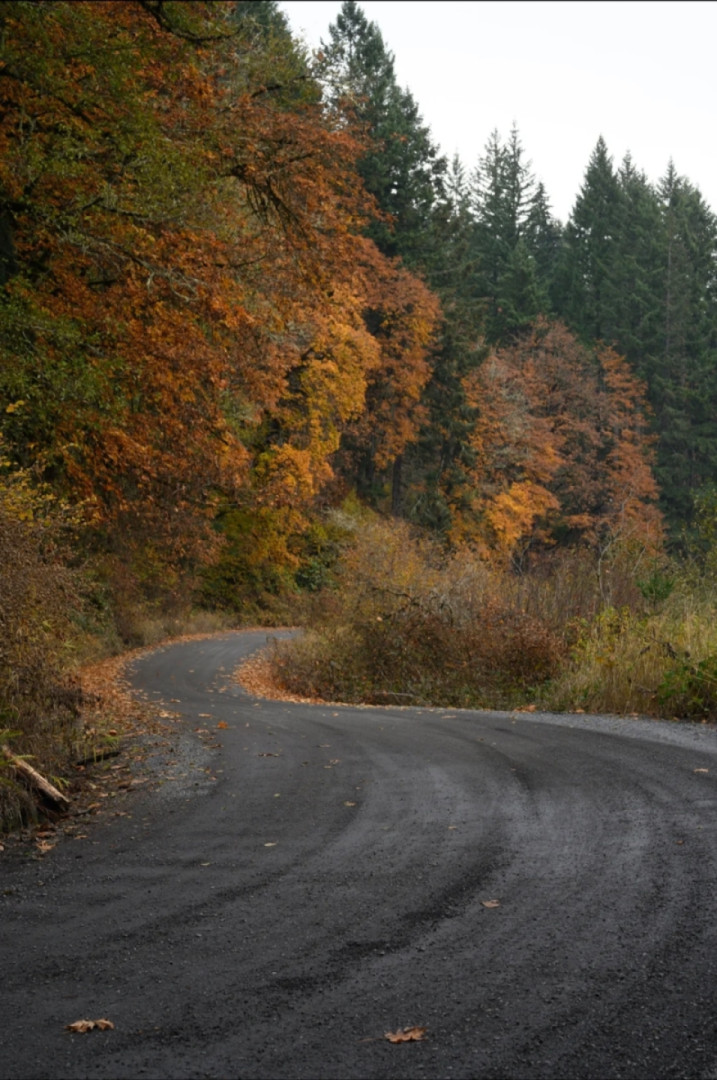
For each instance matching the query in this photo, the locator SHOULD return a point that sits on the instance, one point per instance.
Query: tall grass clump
(405, 623)
(657, 658)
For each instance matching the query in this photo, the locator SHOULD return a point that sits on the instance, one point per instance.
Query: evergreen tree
(683, 374)
(512, 226)
(637, 270)
(520, 298)
(440, 491)
(584, 293)
(543, 236)
(402, 167)
(635, 285)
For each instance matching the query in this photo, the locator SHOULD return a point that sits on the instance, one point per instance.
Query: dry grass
(662, 664)
(39, 699)
(405, 625)
(606, 631)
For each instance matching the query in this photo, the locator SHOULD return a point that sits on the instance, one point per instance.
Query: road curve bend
(538, 892)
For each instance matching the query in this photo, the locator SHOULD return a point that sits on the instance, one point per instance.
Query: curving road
(276, 903)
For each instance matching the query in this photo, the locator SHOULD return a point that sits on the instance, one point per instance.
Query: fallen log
(34, 778)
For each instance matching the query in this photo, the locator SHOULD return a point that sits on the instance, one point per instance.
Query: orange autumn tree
(562, 448)
(187, 306)
(117, 313)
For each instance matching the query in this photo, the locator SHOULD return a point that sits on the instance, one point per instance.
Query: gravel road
(538, 892)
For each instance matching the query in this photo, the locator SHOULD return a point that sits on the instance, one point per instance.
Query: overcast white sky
(642, 74)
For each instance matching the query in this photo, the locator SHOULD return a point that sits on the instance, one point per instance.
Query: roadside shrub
(690, 689)
(659, 662)
(407, 624)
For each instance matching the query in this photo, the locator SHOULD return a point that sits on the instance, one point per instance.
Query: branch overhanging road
(286, 898)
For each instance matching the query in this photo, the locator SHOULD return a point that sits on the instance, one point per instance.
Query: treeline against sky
(239, 285)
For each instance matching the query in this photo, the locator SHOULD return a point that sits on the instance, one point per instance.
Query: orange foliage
(403, 316)
(206, 319)
(562, 447)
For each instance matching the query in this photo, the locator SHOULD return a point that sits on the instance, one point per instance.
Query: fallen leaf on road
(90, 1025)
(701, 770)
(412, 1034)
(204, 715)
(349, 804)
(271, 844)
(222, 724)
(490, 903)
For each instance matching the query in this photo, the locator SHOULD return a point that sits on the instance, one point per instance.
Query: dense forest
(252, 319)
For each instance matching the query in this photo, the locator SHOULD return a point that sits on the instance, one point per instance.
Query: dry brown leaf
(412, 1034)
(222, 724)
(701, 770)
(349, 803)
(90, 1025)
(490, 903)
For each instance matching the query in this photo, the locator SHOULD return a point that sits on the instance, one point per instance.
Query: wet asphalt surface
(271, 906)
